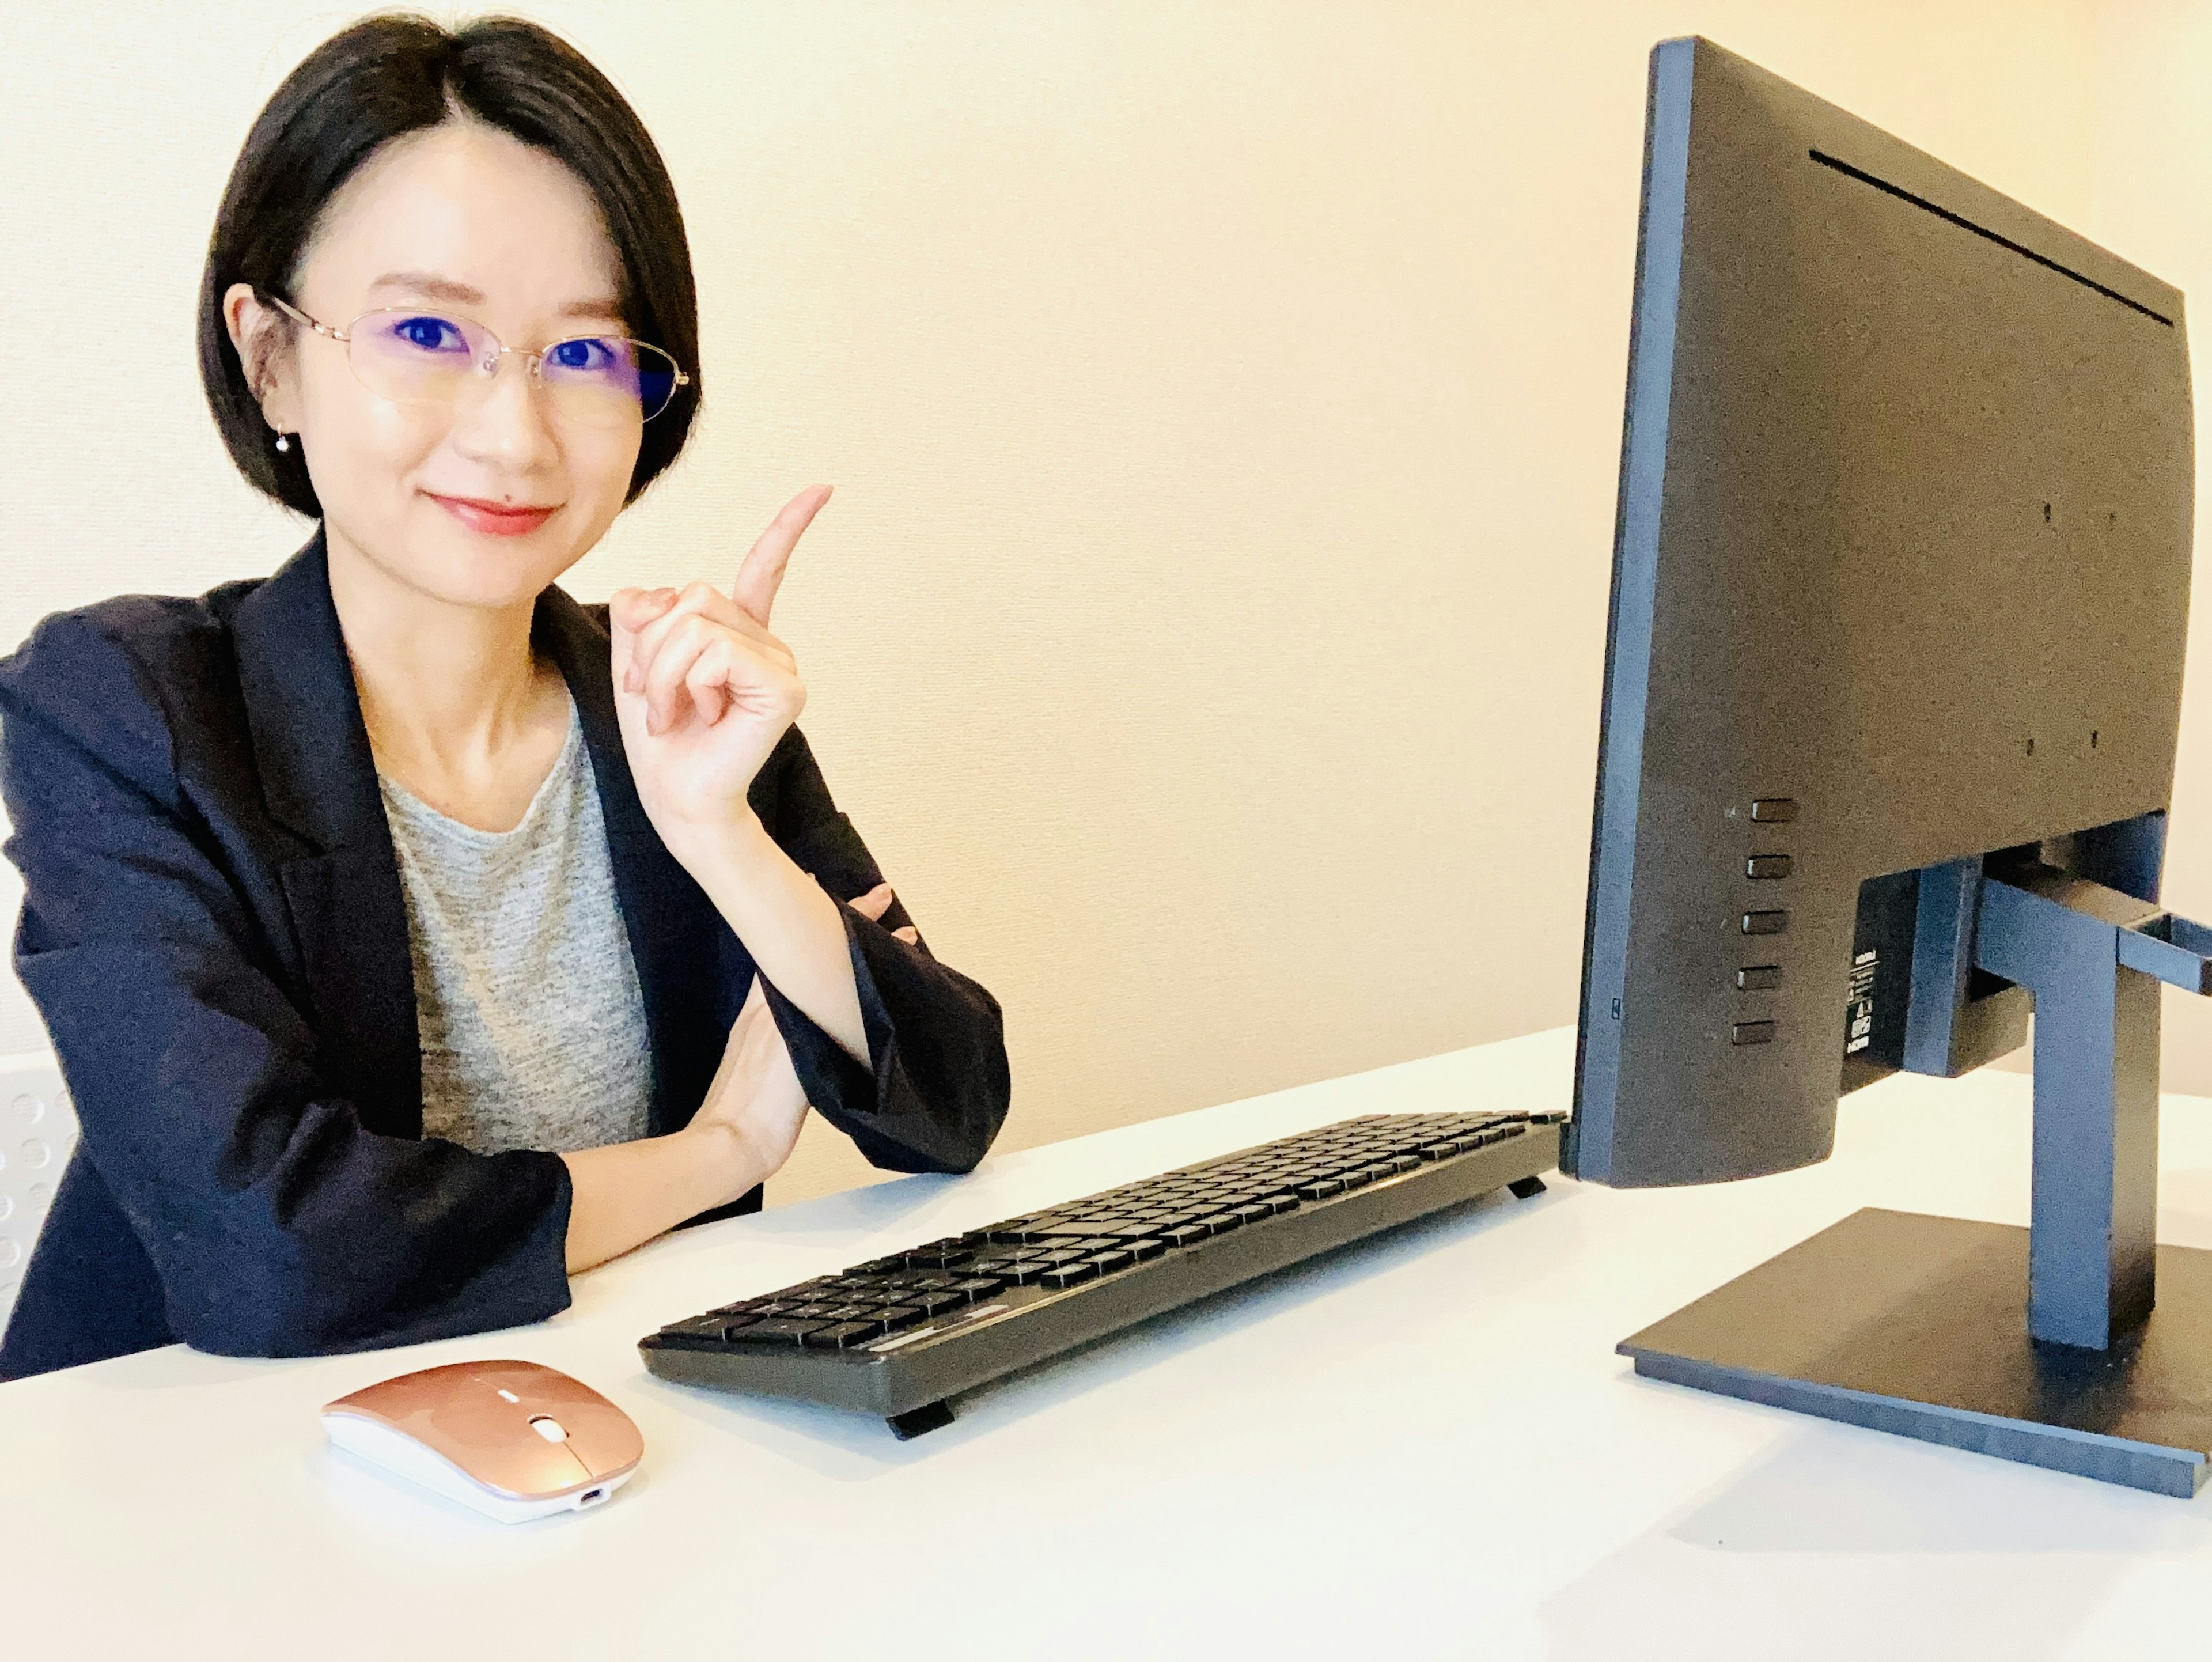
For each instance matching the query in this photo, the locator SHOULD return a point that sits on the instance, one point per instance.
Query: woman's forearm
(787, 922)
(623, 1195)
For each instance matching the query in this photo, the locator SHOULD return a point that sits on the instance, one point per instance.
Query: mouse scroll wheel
(549, 1428)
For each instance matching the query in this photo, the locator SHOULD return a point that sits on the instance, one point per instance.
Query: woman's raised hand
(702, 689)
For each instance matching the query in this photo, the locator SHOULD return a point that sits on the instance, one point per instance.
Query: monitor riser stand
(2076, 1344)
(1914, 1325)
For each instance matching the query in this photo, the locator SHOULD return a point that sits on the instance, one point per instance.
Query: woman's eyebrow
(433, 286)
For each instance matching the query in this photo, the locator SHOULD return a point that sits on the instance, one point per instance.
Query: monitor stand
(2077, 1343)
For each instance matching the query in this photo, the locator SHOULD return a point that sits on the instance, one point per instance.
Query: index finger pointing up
(762, 572)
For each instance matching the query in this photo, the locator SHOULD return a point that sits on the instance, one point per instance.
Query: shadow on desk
(1848, 1543)
(855, 1448)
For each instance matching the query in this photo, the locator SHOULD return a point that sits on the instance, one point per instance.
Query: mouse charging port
(592, 1495)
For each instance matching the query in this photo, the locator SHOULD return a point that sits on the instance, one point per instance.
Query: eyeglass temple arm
(299, 316)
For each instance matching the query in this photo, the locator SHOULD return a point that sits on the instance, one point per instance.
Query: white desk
(1423, 1448)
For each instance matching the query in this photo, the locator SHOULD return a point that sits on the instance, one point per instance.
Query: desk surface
(1423, 1448)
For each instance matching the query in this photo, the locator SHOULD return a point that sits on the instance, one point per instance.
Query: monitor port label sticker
(1858, 1012)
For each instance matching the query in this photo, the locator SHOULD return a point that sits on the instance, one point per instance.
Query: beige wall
(1223, 401)
(2151, 199)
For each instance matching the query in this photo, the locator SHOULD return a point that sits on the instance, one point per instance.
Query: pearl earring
(283, 442)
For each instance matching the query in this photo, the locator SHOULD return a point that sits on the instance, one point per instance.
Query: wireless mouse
(516, 1441)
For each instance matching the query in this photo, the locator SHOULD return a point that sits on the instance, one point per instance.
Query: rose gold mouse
(516, 1441)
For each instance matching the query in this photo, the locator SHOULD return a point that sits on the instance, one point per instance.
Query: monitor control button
(1759, 978)
(1752, 1032)
(1771, 923)
(1774, 810)
(1769, 865)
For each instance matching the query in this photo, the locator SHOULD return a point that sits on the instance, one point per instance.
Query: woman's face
(466, 221)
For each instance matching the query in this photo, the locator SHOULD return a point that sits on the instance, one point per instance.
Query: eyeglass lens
(412, 356)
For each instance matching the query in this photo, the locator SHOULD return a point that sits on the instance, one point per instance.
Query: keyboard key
(931, 1304)
(1222, 1222)
(1256, 1212)
(1120, 1258)
(776, 1329)
(977, 1288)
(702, 1327)
(1279, 1204)
(841, 1335)
(896, 1315)
(1358, 1178)
(1027, 1272)
(1144, 1250)
(941, 1258)
(1067, 1274)
(1320, 1189)
(1185, 1234)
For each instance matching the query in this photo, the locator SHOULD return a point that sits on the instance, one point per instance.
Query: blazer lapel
(318, 780)
(691, 969)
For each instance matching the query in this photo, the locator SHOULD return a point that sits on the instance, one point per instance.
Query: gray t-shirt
(527, 998)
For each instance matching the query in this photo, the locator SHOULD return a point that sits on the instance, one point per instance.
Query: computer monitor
(1893, 678)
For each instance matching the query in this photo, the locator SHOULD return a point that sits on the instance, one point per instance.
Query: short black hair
(396, 74)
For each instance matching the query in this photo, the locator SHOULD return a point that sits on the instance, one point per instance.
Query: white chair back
(38, 1130)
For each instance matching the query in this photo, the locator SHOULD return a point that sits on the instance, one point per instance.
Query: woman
(410, 936)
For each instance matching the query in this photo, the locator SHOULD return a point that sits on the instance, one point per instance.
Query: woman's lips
(490, 518)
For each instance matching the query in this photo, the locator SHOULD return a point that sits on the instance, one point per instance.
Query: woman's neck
(458, 707)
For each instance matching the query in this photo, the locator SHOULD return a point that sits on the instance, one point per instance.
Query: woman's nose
(500, 417)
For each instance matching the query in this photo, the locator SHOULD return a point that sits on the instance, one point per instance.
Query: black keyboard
(898, 1335)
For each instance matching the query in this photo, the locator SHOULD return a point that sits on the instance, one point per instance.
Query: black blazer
(214, 931)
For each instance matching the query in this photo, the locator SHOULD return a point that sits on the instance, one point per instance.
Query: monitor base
(1917, 1326)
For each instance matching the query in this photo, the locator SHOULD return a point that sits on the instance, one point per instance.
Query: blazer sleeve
(936, 1087)
(278, 1226)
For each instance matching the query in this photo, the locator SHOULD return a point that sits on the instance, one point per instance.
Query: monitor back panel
(1903, 540)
